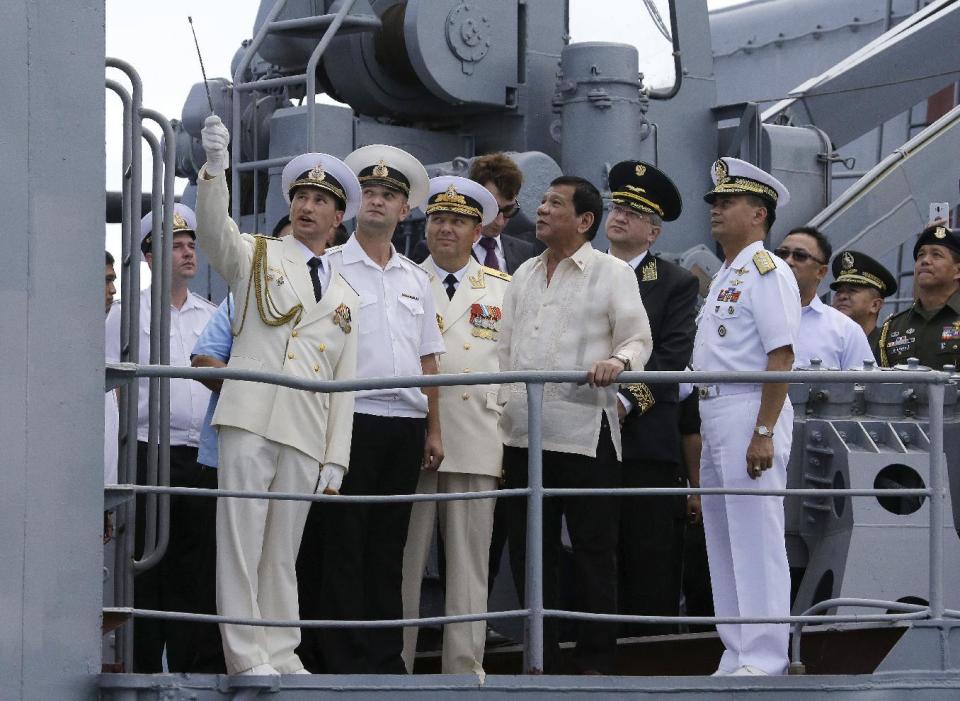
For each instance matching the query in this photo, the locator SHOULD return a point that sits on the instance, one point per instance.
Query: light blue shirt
(216, 341)
(833, 337)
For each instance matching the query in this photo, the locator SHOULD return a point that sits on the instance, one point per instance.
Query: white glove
(331, 477)
(215, 139)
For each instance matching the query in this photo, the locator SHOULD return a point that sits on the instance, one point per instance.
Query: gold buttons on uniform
(294, 333)
(290, 355)
(464, 396)
(316, 368)
(466, 346)
(466, 369)
(322, 347)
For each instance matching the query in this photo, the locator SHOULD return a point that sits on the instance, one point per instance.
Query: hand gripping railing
(534, 612)
(333, 23)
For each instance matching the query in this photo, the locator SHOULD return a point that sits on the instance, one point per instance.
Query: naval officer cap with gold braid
(937, 235)
(324, 172)
(855, 268)
(456, 195)
(644, 188)
(389, 166)
(184, 222)
(731, 176)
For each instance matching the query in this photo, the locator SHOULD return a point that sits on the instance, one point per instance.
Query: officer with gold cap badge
(651, 528)
(163, 587)
(399, 336)
(928, 330)
(469, 301)
(294, 316)
(749, 321)
(860, 285)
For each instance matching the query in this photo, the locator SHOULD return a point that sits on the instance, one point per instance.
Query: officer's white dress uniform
(473, 453)
(274, 438)
(832, 336)
(753, 308)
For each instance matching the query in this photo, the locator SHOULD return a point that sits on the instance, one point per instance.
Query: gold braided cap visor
(454, 208)
(637, 202)
(744, 186)
(328, 183)
(861, 278)
(385, 180)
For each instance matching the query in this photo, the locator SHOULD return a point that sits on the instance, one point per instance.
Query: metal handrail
(129, 342)
(535, 380)
(163, 214)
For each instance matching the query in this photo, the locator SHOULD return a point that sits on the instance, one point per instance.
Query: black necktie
(314, 265)
(451, 282)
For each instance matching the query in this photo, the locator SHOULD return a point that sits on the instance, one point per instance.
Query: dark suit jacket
(670, 297)
(515, 251)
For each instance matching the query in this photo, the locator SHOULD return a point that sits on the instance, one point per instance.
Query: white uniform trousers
(745, 534)
(466, 527)
(257, 545)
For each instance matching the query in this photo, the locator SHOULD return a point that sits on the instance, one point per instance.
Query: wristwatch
(763, 431)
(623, 359)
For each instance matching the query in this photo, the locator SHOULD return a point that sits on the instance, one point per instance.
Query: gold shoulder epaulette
(499, 274)
(267, 238)
(764, 262)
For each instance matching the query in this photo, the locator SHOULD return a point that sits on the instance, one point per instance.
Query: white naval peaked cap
(451, 193)
(324, 172)
(731, 176)
(381, 164)
(184, 222)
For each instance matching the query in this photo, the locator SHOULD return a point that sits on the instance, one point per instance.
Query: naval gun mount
(870, 436)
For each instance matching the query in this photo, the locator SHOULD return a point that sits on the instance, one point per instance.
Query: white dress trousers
(744, 533)
(466, 527)
(260, 582)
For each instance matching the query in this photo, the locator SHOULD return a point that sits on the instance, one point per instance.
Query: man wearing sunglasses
(825, 333)
(500, 175)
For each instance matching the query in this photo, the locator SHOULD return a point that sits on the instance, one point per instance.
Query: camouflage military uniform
(934, 338)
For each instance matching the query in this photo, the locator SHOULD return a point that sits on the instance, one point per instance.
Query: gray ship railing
(534, 612)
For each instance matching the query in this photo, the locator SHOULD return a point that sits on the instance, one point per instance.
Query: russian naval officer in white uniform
(469, 301)
(295, 317)
(749, 321)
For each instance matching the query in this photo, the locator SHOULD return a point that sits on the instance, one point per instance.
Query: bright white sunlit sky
(156, 39)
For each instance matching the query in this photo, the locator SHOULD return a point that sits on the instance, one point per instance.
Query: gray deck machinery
(450, 79)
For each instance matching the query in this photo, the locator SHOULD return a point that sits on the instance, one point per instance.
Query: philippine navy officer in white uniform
(294, 316)
(469, 299)
(166, 587)
(400, 428)
(749, 321)
(825, 333)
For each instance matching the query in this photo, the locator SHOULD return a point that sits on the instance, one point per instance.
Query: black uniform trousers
(592, 523)
(651, 546)
(184, 579)
(362, 570)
